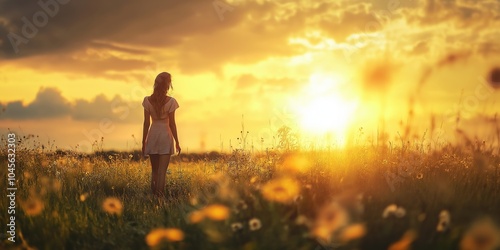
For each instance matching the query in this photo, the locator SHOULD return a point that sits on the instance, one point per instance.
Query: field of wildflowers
(364, 197)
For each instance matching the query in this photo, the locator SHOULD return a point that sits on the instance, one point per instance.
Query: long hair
(163, 83)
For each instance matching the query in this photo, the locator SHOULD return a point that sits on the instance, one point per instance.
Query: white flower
(389, 210)
(237, 226)
(400, 212)
(254, 224)
(394, 210)
(444, 221)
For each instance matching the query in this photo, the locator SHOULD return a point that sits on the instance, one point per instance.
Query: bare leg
(154, 172)
(164, 160)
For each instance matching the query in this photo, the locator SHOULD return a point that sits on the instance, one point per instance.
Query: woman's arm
(173, 128)
(145, 127)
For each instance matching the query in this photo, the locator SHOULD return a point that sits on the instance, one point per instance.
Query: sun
(325, 108)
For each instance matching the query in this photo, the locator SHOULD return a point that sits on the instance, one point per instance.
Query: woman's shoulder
(172, 99)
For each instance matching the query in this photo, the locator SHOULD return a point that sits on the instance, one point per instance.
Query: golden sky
(73, 70)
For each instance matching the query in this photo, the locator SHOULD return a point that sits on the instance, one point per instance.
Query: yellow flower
(216, 212)
(84, 196)
(112, 205)
(253, 180)
(353, 232)
(156, 236)
(33, 206)
(405, 241)
(254, 224)
(482, 235)
(322, 234)
(196, 217)
(330, 218)
(333, 215)
(282, 190)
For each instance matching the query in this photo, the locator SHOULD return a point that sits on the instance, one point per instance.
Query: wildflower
(482, 235)
(193, 201)
(253, 179)
(112, 205)
(395, 210)
(27, 175)
(84, 196)
(302, 220)
(332, 215)
(156, 236)
(254, 224)
(353, 232)
(389, 210)
(196, 217)
(330, 219)
(444, 221)
(400, 212)
(130, 156)
(110, 157)
(33, 206)
(405, 241)
(236, 226)
(281, 190)
(216, 212)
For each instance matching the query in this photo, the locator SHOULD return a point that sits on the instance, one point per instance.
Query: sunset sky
(74, 70)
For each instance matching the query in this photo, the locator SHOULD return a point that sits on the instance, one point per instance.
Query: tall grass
(60, 198)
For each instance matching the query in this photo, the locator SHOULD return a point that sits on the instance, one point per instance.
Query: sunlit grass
(270, 200)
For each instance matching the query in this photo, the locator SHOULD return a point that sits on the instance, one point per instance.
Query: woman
(158, 140)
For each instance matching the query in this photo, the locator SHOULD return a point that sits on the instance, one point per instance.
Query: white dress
(160, 139)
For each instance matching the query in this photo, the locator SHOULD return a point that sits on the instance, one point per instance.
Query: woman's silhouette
(158, 140)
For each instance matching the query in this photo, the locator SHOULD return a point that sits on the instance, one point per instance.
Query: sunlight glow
(325, 109)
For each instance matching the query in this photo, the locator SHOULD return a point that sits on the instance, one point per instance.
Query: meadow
(391, 196)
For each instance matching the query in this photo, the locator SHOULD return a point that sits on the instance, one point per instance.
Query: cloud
(115, 39)
(463, 13)
(49, 103)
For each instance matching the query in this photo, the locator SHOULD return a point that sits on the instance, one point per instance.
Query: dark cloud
(120, 36)
(49, 103)
(461, 13)
(93, 63)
